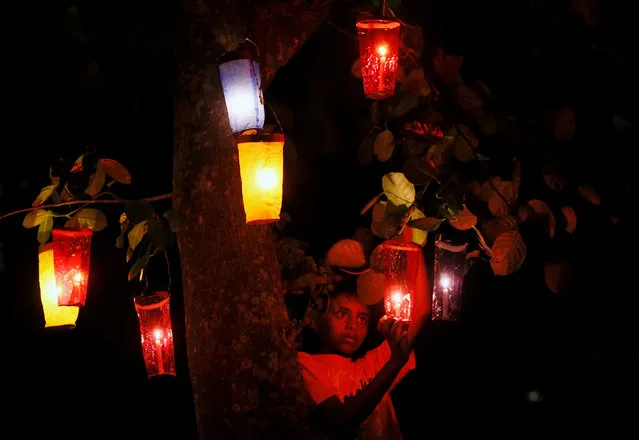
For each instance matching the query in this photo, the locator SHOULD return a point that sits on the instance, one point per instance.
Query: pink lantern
(154, 314)
(71, 259)
(401, 264)
(450, 265)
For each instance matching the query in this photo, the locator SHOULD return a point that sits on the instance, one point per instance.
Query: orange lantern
(154, 314)
(450, 263)
(54, 315)
(378, 56)
(262, 169)
(401, 264)
(71, 255)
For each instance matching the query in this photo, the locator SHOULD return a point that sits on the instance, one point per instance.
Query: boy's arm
(338, 417)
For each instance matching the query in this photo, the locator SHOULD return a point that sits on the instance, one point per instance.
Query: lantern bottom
(63, 327)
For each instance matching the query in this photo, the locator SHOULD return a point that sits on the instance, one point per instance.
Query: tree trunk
(245, 377)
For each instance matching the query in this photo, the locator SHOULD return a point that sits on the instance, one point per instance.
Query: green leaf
(34, 218)
(44, 195)
(96, 182)
(425, 224)
(160, 233)
(138, 211)
(139, 266)
(44, 231)
(136, 234)
(115, 170)
(88, 218)
(175, 222)
(395, 213)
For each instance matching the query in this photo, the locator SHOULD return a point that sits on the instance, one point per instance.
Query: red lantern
(154, 314)
(401, 264)
(71, 255)
(378, 56)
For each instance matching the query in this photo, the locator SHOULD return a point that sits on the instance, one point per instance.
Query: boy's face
(346, 324)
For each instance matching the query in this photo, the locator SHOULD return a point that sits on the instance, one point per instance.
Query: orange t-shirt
(327, 375)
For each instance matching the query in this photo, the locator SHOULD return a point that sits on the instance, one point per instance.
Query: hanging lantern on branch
(71, 255)
(154, 314)
(401, 264)
(261, 168)
(450, 262)
(378, 55)
(54, 315)
(242, 87)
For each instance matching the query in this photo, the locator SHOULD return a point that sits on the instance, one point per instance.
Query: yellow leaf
(414, 234)
(44, 231)
(115, 170)
(370, 287)
(383, 147)
(398, 189)
(136, 234)
(96, 182)
(509, 252)
(91, 218)
(34, 218)
(44, 195)
(346, 253)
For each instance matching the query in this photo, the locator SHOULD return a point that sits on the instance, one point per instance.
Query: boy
(352, 396)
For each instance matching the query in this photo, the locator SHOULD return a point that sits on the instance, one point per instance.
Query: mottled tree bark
(245, 378)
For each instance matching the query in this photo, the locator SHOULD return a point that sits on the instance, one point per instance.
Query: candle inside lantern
(450, 260)
(445, 283)
(382, 50)
(158, 350)
(401, 262)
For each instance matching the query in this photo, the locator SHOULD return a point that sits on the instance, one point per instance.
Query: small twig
(78, 202)
(482, 242)
(89, 201)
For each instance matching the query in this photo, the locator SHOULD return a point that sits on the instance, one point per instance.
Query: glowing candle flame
(266, 178)
(77, 278)
(397, 298)
(382, 50)
(158, 335)
(445, 282)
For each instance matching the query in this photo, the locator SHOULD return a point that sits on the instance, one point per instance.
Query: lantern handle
(275, 115)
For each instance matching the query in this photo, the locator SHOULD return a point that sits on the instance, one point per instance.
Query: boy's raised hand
(395, 332)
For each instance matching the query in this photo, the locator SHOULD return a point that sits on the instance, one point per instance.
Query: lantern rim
(378, 23)
(72, 232)
(260, 137)
(401, 245)
(150, 302)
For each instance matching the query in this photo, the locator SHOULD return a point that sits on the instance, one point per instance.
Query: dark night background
(109, 85)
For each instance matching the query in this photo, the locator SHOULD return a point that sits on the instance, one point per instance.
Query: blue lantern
(242, 92)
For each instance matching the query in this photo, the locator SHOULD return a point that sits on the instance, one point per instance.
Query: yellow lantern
(54, 315)
(262, 169)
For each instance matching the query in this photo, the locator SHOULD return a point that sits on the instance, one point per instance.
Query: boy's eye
(363, 319)
(340, 313)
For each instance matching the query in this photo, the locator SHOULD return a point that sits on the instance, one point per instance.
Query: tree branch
(78, 202)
